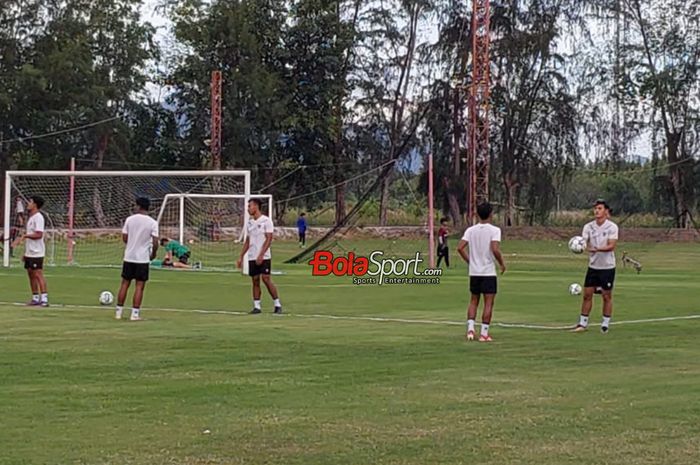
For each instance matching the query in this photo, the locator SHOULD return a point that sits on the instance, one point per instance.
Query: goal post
(208, 225)
(85, 210)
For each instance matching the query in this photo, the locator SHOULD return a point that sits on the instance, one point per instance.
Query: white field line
(371, 318)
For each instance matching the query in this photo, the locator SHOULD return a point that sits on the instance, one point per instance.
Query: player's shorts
(33, 263)
(483, 284)
(256, 270)
(600, 279)
(137, 271)
(184, 258)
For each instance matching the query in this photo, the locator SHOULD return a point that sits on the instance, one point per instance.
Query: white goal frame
(181, 208)
(9, 175)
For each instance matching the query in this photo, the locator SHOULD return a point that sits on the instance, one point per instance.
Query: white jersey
(598, 236)
(256, 230)
(35, 248)
(481, 259)
(141, 230)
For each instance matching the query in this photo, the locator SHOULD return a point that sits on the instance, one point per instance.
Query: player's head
(302, 214)
(254, 206)
(143, 203)
(484, 210)
(164, 241)
(35, 203)
(443, 221)
(601, 209)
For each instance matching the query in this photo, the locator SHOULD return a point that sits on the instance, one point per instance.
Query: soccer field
(355, 375)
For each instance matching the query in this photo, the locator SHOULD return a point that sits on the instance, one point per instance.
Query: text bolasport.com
(374, 269)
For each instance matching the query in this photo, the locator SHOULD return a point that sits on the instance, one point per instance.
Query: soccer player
(140, 234)
(601, 236)
(443, 251)
(176, 254)
(301, 228)
(34, 252)
(257, 250)
(483, 240)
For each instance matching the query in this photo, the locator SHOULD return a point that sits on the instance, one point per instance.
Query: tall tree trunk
(453, 203)
(96, 197)
(678, 181)
(384, 200)
(510, 186)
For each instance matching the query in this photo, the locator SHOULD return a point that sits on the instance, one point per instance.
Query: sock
(277, 303)
(45, 297)
(135, 312)
(606, 322)
(484, 329)
(118, 313)
(35, 298)
(583, 320)
(470, 325)
(256, 304)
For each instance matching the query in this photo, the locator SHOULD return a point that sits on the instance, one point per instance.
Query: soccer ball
(106, 298)
(577, 244)
(575, 289)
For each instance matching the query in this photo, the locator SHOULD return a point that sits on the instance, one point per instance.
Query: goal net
(85, 210)
(208, 225)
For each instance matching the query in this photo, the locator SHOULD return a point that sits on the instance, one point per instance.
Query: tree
(663, 63)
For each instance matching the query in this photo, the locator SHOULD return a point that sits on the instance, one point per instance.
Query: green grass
(77, 387)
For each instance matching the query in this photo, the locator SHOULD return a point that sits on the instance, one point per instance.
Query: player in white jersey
(483, 240)
(601, 237)
(140, 234)
(34, 252)
(256, 250)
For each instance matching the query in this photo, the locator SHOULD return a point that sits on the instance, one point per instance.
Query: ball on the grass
(577, 244)
(191, 241)
(575, 289)
(106, 298)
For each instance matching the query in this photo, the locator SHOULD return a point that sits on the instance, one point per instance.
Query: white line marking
(371, 318)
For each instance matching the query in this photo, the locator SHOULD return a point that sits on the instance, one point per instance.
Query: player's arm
(263, 249)
(462, 250)
(154, 247)
(610, 247)
(496, 251)
(246, 245)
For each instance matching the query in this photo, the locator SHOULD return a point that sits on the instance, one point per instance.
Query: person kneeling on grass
(176, 255)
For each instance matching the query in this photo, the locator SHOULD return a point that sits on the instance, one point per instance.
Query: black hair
(164, 240)
(302, 214)
(256, 202)
(38, 201)
(604, 204)
(443, 220)
(143, 202)
(484, 210)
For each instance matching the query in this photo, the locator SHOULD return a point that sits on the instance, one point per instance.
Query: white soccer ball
(575, 289)
(106, 298)
(577, 244)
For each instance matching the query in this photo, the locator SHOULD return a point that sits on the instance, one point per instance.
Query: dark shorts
(483, 284)
(256, 270)
(33, 263)
(137, 271)
(443, 251)
(302, 235)
(184, 258)
(600, 279)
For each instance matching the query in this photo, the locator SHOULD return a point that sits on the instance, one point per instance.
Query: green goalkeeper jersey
(177, 249)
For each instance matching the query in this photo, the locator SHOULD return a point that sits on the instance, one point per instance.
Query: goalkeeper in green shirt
(176, 255)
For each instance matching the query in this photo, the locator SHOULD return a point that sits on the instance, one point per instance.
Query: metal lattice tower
(479, 96)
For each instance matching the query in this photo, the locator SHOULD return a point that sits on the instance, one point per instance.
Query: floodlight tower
(479, 96)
